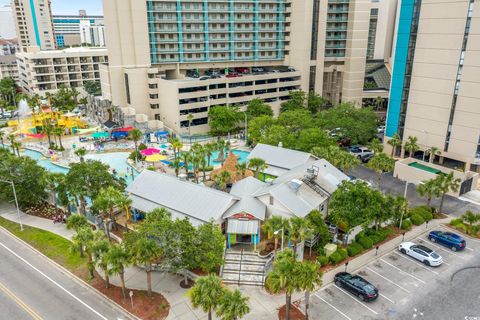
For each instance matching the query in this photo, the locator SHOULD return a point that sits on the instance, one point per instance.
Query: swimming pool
(242, 156)
(45, 163)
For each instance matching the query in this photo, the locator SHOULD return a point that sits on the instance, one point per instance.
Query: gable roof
(244, 190)
(280, 160)
(190, 199)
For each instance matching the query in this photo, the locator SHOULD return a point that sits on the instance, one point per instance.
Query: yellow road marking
(24, 306)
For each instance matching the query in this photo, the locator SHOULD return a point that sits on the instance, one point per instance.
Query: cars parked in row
(448, 239)
(421, 253)
(360, 151)
(356, 285)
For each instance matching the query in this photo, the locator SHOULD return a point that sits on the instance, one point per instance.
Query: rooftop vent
(295, 184)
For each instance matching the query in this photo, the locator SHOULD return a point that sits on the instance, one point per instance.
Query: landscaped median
(59, 250)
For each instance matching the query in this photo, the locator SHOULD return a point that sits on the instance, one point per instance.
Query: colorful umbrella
(35, 135)
(149, 151)
(155, 158)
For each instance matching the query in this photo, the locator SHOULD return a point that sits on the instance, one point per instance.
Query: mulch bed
(43, 210)
(295, 313)
(155, 307)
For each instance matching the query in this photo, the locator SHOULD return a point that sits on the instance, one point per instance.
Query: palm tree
(241, 168)
(100, 250)
(196, 160)
(16, 146)
(118, 259)
(76, 222)
(185, 157)
(145, 252)
(411, 145)
(81, 152)
(432, 152)
(209, 148)
(470, 218)
(395, 142)
(59, 131)
(175, 164)
(309, 277)
(273, 224)
(299, 230)
(339, 158)
(11, 138)
(177, 145)
(446, 183)
(222, 179)
(190, 117)
(221, 144)
(2, 136)
(48, 130)
(52, 180)
(135, 135)
(258, 165)
(85, 239)
(207, 293)
(282, 278)
(381, 163)
(106, 201)
(203, 165)
(428, 189)
(232, 306)
(375, 145)
(124, 203)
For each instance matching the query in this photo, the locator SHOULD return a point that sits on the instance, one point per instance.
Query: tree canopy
(257, 108)
(223, 119)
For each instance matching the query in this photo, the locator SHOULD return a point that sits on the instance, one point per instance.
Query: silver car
(421, 253)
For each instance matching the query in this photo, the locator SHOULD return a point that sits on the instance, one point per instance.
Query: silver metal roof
(244, 190)
(281, 158)
(235, 226)
(188, 198)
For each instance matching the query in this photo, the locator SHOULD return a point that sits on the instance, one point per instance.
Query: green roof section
(424, 167)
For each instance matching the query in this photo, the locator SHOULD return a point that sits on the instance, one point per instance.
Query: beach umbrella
(149, 151)
(155, 158)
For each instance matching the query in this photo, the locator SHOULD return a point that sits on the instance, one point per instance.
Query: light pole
(276, 232)
(16, 201)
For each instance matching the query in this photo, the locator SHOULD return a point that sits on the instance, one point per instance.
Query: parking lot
(401, 281)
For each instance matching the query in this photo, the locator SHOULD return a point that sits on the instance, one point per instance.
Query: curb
(76, 278)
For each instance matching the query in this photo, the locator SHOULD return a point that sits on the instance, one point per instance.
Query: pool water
(45, 163)
(242, 156)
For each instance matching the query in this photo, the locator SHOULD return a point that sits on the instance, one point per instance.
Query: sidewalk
(262, 305)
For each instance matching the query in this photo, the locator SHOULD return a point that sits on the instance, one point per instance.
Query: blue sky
(93, 7)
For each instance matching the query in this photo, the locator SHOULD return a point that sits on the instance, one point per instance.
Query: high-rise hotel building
(170, 58)
(435, 90)
(34, 24)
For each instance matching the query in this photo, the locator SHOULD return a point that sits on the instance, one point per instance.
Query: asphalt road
(31, 287)
(389, 184)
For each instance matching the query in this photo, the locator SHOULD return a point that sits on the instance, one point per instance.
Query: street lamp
(275, 233)
(16, 201)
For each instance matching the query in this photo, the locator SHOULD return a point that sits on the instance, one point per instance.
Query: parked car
(204, 78)
(233, 75)
(359, 151)
(242, 70)
(381, 129)
(211, 72)
(357, 286)
(354, 179)
(258, 70)
(192, 73)
(366, 157)
(448, 239)
(421, 253)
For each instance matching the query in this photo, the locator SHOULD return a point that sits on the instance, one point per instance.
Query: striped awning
(236, 226)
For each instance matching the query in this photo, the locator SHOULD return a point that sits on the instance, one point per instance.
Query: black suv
(357, 286)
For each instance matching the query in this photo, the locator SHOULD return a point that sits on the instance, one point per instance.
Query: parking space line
(356, 299)
(387, 298)
(469, 249)
(417, 263)
(332, 306)
(411, 275)
(378, 274)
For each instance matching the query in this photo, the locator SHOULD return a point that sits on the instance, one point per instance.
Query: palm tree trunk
(112, 218)
(90, 265)
(60, 141)
(210, 314)
(83, 205)
(80, 249)
(307, 303)
(107, 231)
(429, 200)
(136, 151)
(393, 151)
(149, 282)
(287, 306)
(122, 279)
(107, 279)
(441, 203)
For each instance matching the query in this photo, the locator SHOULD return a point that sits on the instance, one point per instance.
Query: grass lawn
(53, 246)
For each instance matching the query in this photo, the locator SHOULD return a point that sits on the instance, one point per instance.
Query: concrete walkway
(262, 304)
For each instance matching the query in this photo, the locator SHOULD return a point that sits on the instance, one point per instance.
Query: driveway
(453, 206)
(408, 289)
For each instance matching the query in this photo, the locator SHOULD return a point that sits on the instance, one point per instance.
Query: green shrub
(456, 222)
(376, 238)
(354, 248)
(336, 257)
(208, 168)
(361, 234)
(319, 250)
(423, 211)
(417, 219)
(365, 242)
(323, 260)
(132, 156)
(142, 146)
(343, 252)
(406, 225)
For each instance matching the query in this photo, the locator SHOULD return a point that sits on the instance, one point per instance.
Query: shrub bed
(417, 219)
(323, 260)
(354, 248)
(365, 242)
(406, 225)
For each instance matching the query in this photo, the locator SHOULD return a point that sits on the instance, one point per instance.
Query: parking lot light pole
(16, 201)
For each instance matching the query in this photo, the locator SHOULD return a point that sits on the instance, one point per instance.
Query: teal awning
(98, 135)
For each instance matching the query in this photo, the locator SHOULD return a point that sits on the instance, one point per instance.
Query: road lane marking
(404, 272)
(416, 262)
(378, 274)
(356, 300)
(333, 307)
(54, 282)
(469, 249)
(18, 301)
(387, 298)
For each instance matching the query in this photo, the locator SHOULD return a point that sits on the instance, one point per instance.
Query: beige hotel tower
(162, 53)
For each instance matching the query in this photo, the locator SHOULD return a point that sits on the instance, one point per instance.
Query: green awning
(101, 134)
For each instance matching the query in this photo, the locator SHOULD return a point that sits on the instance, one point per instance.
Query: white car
(421, 253)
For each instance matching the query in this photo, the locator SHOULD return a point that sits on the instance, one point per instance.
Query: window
(271, 201)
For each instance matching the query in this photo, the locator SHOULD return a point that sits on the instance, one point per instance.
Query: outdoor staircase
(245, 268)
